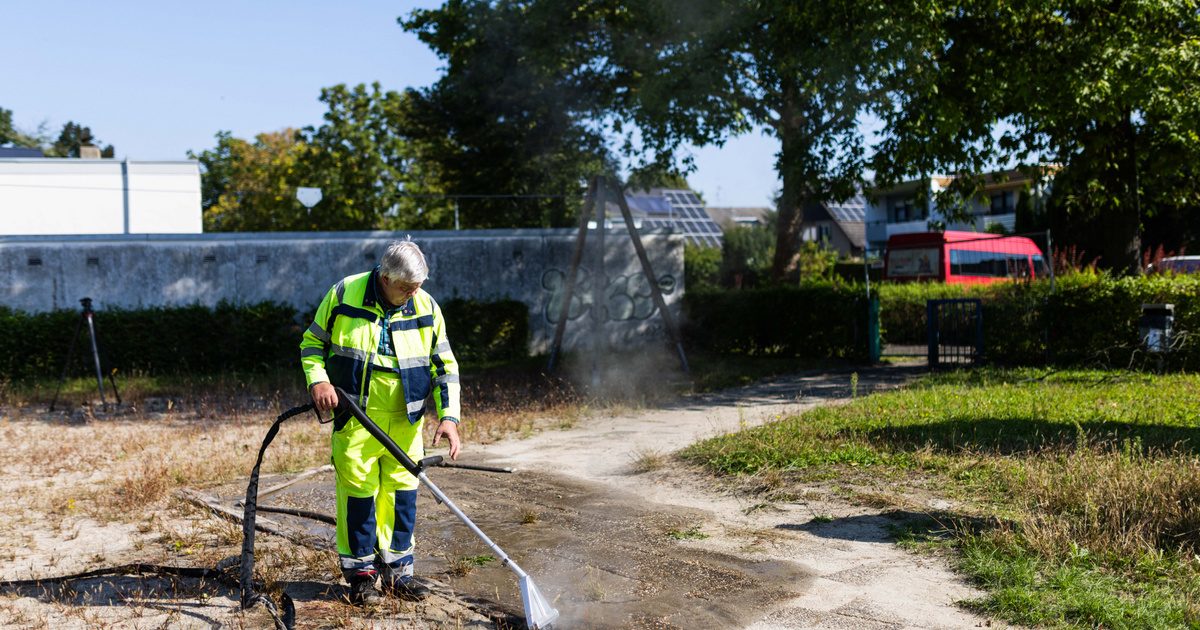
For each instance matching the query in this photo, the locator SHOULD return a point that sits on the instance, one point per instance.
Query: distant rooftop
(20, 152)
(728, 217)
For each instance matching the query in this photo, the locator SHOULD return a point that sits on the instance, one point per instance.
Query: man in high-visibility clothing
(382, 339)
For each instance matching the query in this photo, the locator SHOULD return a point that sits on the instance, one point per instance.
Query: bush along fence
(227, 337)
(1088, 319)
(818, 321)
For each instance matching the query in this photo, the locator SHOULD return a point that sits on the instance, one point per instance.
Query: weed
(647, 460)
(460, 566)
(691, 533)
(528, 515)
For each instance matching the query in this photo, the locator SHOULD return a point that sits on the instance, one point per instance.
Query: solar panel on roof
(680, 210)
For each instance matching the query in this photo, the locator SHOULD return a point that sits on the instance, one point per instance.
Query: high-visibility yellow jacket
(390, 360)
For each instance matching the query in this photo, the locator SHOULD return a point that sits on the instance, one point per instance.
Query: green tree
(359, 157)
(72, 137)
(1107, 90)
(701, 266)
(746, 255)
(8, 133)
(251, 186)
(507, 124)
(805, 72)
(12, 136)
(363, 162)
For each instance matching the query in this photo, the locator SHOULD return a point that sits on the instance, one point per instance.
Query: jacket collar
(371, 295)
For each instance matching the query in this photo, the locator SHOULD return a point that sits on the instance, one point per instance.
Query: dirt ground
(612, 532)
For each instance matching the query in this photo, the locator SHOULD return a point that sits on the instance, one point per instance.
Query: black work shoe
(362, 589)
(407, 589)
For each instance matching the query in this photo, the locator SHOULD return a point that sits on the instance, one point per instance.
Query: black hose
(249, 597)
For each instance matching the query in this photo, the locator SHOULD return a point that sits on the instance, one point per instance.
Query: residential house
(837, 224)
(913, 206)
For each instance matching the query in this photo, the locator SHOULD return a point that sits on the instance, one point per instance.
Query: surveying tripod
(86, 317)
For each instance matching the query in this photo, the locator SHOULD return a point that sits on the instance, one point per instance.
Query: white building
(911, 206)
(56, 196)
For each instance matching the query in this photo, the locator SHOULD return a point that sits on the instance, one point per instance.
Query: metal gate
(955, 329)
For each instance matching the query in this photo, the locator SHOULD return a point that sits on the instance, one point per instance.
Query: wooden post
(599, 283)
(668, 319)
(569, 289)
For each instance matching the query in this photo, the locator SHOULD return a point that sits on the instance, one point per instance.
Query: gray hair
(404, 262)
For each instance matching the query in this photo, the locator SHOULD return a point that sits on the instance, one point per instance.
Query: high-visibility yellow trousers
(376, 496)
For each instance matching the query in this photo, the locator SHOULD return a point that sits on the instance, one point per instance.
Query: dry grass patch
(647, 460)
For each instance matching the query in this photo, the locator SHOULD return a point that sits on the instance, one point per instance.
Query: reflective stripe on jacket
(342, 347)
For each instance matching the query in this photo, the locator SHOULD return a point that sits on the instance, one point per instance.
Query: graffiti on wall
(626, 297)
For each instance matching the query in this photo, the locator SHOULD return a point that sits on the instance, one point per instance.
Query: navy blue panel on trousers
(406, 519)
(360, 525)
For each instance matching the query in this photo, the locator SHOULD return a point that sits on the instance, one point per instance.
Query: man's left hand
(448, 428)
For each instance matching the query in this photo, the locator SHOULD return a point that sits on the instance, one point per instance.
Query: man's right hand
(324, 396)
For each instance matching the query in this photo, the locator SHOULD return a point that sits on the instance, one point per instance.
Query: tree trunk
(787, 237)
(791, 200)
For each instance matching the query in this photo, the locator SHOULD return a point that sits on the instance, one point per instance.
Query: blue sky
(158, 78)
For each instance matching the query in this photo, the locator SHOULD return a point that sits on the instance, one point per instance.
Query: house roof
(850, 216)
(20, 152)
(728, 215)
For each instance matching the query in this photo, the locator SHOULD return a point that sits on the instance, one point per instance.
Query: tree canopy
(1107, 92)
(1104, 92)
(659, 74)
(508, 125)
(359, 157)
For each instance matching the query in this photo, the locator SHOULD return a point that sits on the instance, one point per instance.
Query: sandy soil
(614, 548)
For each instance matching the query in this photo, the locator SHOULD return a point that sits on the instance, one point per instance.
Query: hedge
(243, 338)
(811, 321)
(1088, 319)
(487, 331)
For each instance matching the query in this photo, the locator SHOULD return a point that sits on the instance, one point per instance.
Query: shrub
(487, 331)
(1088, 319)
(902, 307)
(810, 321)
(227, 337)
(153, 340)
(746, 255)
(701, 267)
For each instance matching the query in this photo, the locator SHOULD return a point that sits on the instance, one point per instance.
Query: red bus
(962, 258)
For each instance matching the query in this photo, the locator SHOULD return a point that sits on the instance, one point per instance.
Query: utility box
(1154, 327)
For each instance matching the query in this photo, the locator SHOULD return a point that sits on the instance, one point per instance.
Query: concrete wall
(134, 271)
(73, 196)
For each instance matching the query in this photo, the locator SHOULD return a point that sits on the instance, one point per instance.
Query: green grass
(1081, 489)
